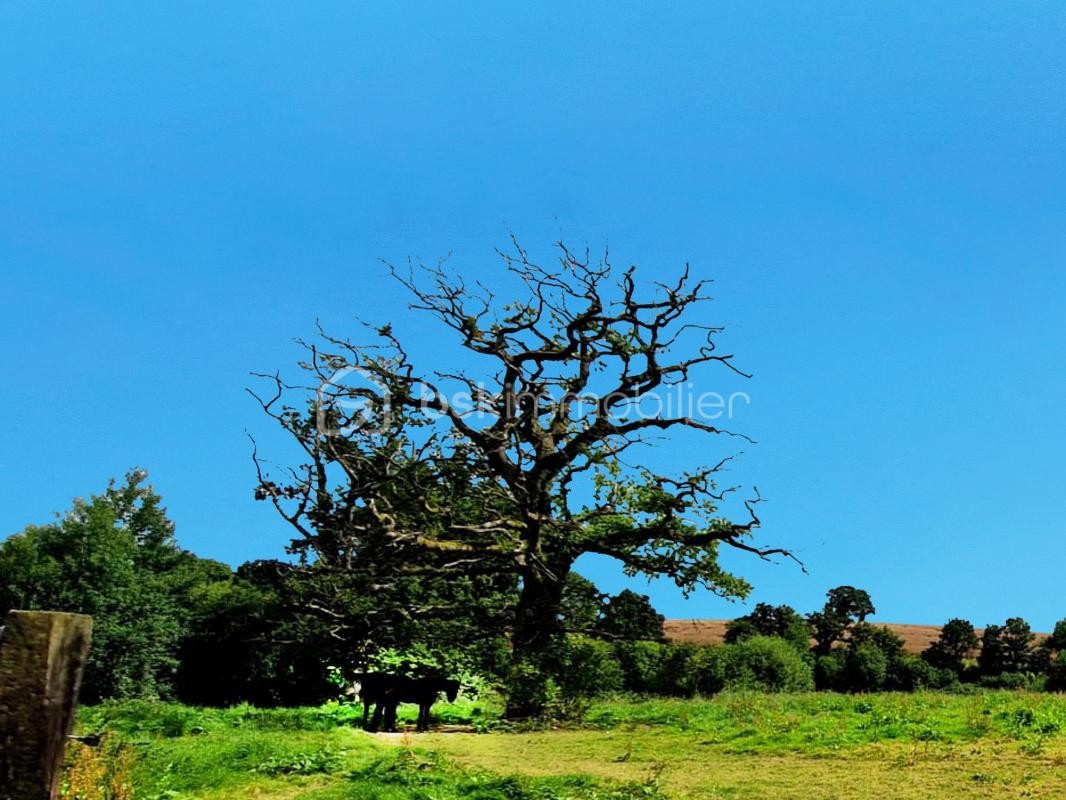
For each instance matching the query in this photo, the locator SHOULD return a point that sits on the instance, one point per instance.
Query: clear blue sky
(879, 191)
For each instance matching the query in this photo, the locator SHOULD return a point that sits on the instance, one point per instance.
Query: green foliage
(872, 660)
(829, 671)
(759, 663)
(307, 763)
(877, 636)
(826, 629)
(628, 615)
(642, 665)
(956, 642)
(1006, 648)
(1048, 657)
(1056, 679)
(909, 673)
(588, 667)
(849, 602)
(1057, 640)
(845, 606)
(1014, 681)
(529, 685)
(767, 620)
(582, 603)
(236, 649)
(763, 663)
(685, 671)
(263, 638)
(865, 669)
(114, 557)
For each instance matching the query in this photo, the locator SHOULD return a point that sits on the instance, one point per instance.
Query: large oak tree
(519, 458)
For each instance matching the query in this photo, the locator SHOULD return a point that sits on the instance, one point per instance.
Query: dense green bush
(642, 664)
(877, 636)
(766, 620)
(1027, 681)
(1006, 648)
(704, 670)
(908, 673)
(679, 673)
(588, 667)
(629, 615)
(526, 683)
(865, 669)
(764, 663)
(1056, 679)
(115, 558)
(829, 671)
(957, 641)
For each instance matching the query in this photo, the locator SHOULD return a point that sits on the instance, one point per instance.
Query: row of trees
(774, 648)
(170, 624)
(850, 654)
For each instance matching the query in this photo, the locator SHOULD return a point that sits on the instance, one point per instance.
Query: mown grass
(820, 722)
(989, 744)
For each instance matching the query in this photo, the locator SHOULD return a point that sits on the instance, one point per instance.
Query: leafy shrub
(312, 763)
(909, 673)
(629, 615)
(1056, 678)
(1014, 680)
(641, 664)
(588, 667)
(529, 687)
(705, 670)
(876, 636)
(829, 671)
(865, 669)
(956, 643)
(766, 620)
(1006, 648)
(680, 671)
(764, 663)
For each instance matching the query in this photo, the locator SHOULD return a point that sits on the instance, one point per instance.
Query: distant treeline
(172, 625)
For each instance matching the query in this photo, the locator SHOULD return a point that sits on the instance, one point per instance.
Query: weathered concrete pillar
(42, 655)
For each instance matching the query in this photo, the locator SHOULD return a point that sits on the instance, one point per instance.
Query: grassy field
(986, 745)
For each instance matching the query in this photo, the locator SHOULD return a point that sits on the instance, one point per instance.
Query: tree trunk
(537, 634)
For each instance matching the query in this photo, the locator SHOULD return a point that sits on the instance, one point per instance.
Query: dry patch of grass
(687, 767)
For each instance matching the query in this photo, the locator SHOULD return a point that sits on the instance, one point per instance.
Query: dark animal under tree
(385, 692)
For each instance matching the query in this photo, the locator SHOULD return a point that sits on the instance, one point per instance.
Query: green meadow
(984, 744)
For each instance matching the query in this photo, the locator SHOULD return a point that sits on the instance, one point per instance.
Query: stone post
(42, 655)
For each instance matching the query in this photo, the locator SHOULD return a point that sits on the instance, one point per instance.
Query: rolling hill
(916, 638)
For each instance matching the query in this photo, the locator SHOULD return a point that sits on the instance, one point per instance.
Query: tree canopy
(528, 472)
(782, 622)
(114, 557)
(845, 606)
